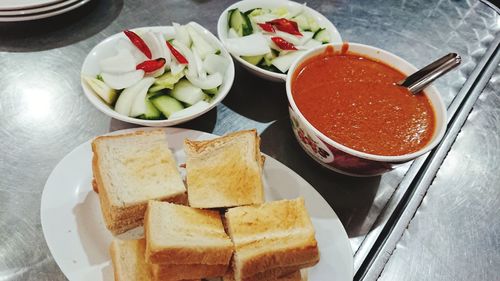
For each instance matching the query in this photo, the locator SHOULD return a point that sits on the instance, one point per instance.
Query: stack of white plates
(24, 10)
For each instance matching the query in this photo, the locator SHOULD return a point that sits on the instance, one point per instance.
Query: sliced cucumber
(212, 91)
(152, 113)
(257, 12)
(167, 104)
(186, 92)
(157, 88)
(322, 35)
(169, 78)
(102, 90)
(240, 22)
(253, 59)
(207, 98)
(313, 25)
(269, 67)
(302, 22)
(166, 81)
(152, 95)
(268, 58)
(280, 12)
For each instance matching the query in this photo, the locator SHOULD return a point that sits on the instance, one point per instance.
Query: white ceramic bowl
(106, 48)
(245, 5)
(340, 158)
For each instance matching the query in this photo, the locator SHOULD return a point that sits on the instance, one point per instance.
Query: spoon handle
(420, 79)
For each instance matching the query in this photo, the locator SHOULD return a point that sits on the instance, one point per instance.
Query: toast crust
(186, 271)
(225, 172)
(280, 274)
(127, 257)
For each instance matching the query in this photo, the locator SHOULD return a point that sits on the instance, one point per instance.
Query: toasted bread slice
(291, 276)
(178, 234)
(127, 257)
(128, 261)
(131, 169)
(187, 271)
(224, 172)
(272, 235)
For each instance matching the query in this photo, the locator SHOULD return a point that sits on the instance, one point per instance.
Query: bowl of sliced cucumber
(266, 36)
(158, 76)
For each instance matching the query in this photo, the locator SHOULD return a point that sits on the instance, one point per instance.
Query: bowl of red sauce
(349, 116)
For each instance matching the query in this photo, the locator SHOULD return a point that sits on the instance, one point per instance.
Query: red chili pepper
(138, 42)
(266, 27)
(178, 56)
(287, 26)
(151, 65)
(283, 44)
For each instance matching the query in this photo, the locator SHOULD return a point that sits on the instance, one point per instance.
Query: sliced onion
(251, 45)
(186, 52)
(210, 82)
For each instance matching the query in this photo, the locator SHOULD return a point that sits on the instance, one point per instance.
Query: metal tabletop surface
(44, 115)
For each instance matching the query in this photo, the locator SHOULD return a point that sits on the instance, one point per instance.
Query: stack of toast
(225, 231)
(131, 169)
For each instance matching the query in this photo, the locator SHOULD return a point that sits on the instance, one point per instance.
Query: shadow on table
(350, 197)
(61, 30)
(89, 228)
(256, 98)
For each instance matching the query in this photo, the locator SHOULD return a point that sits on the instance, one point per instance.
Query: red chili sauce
(352, 99)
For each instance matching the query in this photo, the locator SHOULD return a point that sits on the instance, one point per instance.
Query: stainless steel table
(433, 219)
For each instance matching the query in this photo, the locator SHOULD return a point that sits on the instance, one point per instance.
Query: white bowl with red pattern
(345, 160)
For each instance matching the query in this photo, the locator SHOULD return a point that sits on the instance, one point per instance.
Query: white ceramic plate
(245, 5)
(25, 4)
(78, 239)
(43, 9)
(106, 48)
(47, 14)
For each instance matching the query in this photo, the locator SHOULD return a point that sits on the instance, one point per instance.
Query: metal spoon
(422, 78)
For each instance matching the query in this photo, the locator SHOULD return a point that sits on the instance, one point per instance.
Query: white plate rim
(34, 4)
(44, 15)
(341, 239)
(43, 9)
